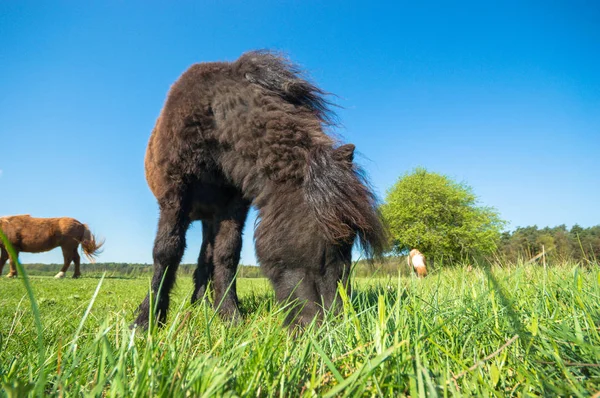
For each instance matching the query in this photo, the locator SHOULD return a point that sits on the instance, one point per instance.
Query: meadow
(499, 331)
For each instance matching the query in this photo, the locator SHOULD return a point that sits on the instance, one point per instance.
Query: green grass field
(504, 332)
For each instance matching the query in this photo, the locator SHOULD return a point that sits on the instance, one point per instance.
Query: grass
(513, 331)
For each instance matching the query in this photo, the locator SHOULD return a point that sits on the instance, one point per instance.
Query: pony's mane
(343, 202)
(278, 74)
(335, 190)
(14, 215)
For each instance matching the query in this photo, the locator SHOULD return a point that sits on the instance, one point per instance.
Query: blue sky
(503, 96)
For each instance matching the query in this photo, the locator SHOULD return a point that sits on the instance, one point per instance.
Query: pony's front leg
(3, 258)
(226, 256)
(13, 265)
(169, 246)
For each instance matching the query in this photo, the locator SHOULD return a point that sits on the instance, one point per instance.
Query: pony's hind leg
(77, 262)
(205, 268)
(68, 258)
(226, 255)
(169, 246)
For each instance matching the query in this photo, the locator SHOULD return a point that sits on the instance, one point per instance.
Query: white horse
(416, 260)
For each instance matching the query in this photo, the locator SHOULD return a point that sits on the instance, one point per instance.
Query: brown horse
(252, 132)
(36, 235)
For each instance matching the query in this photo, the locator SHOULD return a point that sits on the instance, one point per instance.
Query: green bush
(440, 217)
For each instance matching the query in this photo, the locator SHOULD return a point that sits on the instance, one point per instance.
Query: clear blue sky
(505, 97)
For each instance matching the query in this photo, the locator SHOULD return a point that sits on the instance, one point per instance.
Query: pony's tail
(90, 245)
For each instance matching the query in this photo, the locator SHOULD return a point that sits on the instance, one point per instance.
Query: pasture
(512, 331)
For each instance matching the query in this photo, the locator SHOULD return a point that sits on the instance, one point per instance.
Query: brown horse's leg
(226, 256)
(67, 252)
(168, 250)
(77, 262)
(205, 268)
(13, 265)
(3, 258)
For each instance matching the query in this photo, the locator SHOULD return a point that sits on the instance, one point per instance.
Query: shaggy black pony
(251, 132)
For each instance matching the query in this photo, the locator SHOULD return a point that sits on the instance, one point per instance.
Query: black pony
(251, 132)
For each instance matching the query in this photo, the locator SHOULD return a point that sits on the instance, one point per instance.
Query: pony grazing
(35, 235)
(416, 260)
(251, 132)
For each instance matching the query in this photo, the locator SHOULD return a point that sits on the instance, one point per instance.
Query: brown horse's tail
(91, 247)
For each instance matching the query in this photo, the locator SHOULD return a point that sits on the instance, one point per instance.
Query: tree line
(558, 243)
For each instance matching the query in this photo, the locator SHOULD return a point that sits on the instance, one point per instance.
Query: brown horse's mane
(16, 215)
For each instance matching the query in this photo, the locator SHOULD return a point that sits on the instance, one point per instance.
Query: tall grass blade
(39, 388)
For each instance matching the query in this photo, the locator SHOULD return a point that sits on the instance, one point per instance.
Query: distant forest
(559, 243)
(524, 244)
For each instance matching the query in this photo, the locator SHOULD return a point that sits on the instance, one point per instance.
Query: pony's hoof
(76, 276)
(11, 275)
(60, 275)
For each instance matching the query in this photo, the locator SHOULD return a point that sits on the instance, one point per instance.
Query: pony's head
(315, 226)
